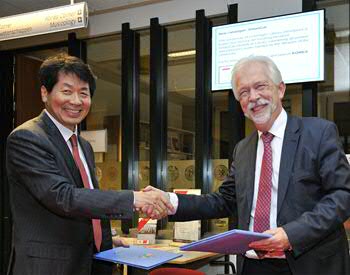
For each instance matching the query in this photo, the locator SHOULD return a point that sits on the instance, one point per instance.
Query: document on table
(137, 256)
(231, 242)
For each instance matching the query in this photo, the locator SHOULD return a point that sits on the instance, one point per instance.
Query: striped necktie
(96, 224)
(263, 203)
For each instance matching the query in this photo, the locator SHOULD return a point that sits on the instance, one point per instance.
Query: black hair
(64, 63)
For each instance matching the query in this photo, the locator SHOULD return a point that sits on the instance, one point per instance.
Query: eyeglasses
(245, 93)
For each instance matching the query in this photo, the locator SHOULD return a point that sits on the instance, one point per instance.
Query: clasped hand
(153, 202)
(273, 246)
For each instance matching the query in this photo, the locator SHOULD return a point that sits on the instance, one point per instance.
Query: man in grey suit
(290, 178)
(60, 217)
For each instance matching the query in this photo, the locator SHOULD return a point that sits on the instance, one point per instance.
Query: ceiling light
(182, 53)
(344, 33)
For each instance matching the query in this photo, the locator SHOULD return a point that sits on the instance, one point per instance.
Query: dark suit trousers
(266, 266)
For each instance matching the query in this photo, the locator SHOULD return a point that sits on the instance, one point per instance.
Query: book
(231, 242)
(137, 256)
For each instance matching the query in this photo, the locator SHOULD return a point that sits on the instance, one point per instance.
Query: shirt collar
(65, 132)
(279, 126)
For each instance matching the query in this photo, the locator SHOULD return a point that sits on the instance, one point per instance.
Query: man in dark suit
(290, 178)
(60, 217)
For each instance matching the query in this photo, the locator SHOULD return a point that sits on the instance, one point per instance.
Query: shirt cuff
(174, 200)
(133, 203)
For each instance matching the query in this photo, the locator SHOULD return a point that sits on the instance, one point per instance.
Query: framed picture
(174, 142)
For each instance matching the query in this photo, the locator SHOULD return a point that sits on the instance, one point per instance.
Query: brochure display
(231, 242)
(137, 256)
(187, 231)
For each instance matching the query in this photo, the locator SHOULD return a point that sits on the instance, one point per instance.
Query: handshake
(153, 202)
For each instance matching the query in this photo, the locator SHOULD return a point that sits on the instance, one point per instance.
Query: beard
(262, 116)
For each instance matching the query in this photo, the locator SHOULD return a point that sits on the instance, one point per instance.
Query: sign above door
(52, 20)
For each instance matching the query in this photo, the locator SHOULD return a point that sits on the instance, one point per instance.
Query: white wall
(183, 10)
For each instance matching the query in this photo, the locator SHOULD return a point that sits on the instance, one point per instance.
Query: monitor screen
(294, 42)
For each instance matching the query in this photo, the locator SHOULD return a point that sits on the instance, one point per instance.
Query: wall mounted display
(295, 42)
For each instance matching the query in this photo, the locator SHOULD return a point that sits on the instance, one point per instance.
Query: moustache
(260, 101)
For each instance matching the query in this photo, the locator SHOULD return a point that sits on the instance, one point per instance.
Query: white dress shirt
(277, 129)
(67, 133)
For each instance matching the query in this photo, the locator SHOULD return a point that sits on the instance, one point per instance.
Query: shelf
(180, 143)
(168, 151)
(172, 129)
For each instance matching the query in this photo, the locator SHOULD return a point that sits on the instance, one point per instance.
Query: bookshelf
(180, 143)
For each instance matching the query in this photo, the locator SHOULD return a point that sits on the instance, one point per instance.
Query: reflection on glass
(333, 97)
(220, 155)
(181, 107)
(43, 54)
(144, 142)
(334, 92)
(104, 57)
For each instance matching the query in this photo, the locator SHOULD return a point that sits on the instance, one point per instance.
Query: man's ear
(281, 89)
(44, 93)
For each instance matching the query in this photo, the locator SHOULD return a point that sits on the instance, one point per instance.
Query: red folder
(231, 242)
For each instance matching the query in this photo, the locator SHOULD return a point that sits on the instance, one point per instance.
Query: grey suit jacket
(313, 196)
(51, 210)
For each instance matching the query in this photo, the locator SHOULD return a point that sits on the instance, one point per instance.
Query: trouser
(266, 266)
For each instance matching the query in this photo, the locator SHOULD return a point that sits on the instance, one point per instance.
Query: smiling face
(69, 101)
(260, 98)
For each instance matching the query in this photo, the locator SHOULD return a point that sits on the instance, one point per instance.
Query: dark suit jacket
(51, 209)
(313, 196)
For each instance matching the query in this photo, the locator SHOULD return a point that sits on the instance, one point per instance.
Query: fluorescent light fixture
(344, 33)
(182, 53)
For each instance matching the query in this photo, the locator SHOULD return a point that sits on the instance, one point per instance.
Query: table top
(174, 247)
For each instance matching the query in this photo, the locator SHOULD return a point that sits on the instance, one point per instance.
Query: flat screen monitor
(294, 42)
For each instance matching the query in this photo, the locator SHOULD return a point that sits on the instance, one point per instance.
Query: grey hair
(273, 71)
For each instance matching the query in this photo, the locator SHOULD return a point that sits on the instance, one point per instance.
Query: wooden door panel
(27, 89)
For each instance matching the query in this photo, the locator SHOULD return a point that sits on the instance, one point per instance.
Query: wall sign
(44, 21)
(97, 139)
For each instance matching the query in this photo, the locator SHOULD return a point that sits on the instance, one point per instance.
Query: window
(104, 57)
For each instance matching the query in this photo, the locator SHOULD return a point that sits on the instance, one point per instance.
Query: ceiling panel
(7, 9)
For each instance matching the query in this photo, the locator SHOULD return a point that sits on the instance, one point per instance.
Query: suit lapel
(61, 145)
(290, 143)
(249, 171)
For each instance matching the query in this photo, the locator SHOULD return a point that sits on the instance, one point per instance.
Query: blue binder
(231, 242)
(137, 256)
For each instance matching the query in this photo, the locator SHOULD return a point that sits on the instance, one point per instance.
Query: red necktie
(263, 203)
(96, 224)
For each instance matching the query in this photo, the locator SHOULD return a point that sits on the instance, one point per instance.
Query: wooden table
(189, 259)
